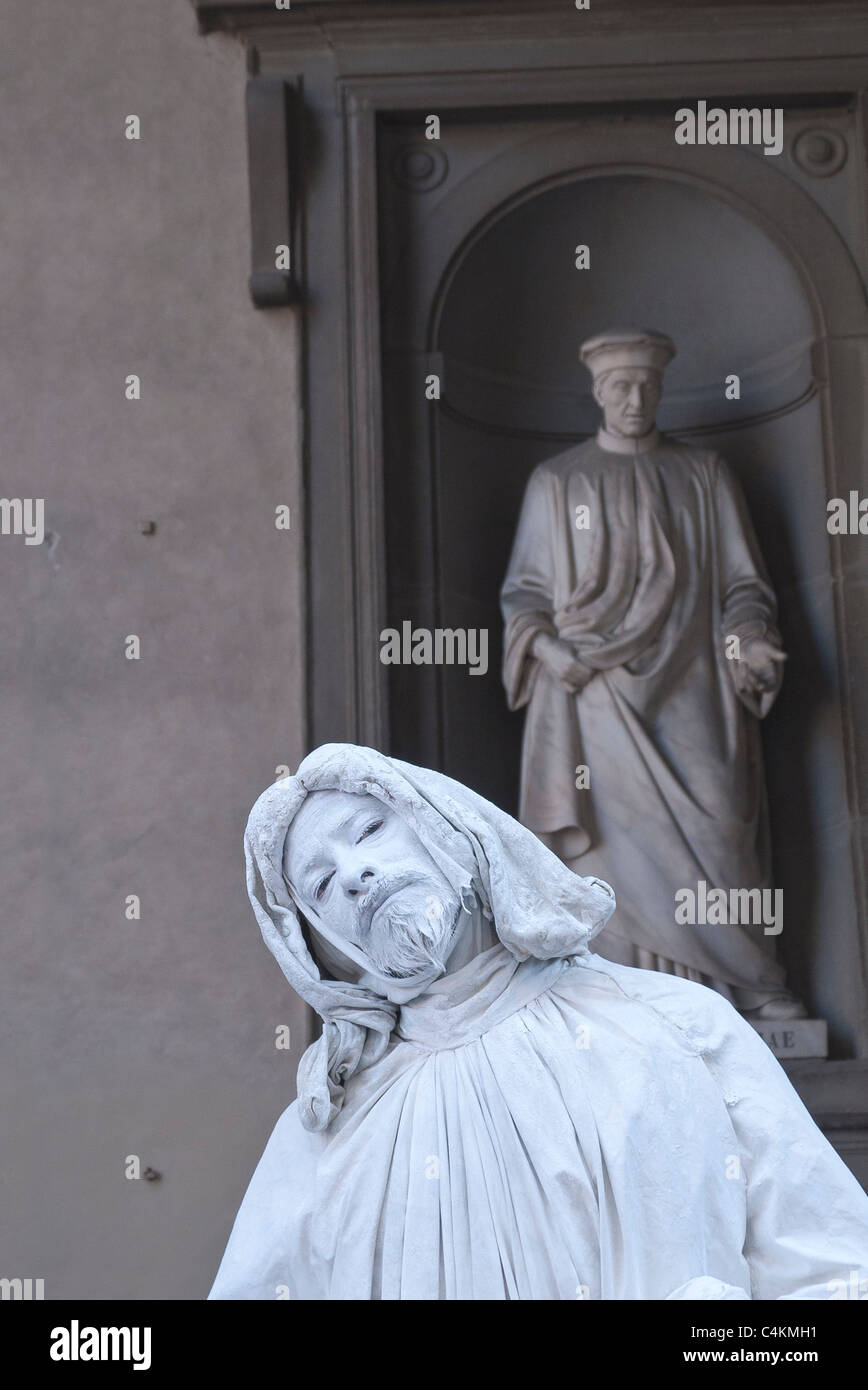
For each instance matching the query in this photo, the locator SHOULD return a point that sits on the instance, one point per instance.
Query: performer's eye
(369, 829)
(322, 886)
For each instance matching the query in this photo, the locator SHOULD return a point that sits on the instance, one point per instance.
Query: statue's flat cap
(626, 347)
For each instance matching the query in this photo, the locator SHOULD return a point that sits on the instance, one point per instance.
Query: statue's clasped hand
(559, 658)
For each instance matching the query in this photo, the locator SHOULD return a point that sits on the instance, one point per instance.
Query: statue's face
(629, 397)
(359, 868)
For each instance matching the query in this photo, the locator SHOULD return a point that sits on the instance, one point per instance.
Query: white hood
(539, 907)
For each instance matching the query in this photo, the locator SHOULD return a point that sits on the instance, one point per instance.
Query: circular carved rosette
(820, 152)
(419, 166)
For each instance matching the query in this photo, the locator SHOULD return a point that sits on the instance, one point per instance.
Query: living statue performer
(492, 1110)
(641, 637)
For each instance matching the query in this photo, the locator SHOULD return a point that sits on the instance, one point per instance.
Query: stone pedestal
(794, 1038)
(836, 1093)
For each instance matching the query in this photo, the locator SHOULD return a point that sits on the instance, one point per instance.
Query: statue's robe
(555, 1129)
(666, 568)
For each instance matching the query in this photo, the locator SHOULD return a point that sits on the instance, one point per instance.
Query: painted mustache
(377, 896)
(406, 939)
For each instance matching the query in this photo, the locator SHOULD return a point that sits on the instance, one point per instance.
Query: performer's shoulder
(701, 1015)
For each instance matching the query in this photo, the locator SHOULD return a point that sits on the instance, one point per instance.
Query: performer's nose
(357, 881)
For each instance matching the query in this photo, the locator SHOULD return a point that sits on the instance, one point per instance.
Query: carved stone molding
(557, 18)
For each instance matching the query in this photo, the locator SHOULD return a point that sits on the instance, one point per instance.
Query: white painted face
(358, 868)
(629, 397)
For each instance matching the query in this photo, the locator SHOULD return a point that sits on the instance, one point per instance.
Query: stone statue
(641, 637)
(492, 1110)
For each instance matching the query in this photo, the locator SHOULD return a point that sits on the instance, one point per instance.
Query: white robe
(555, 1129)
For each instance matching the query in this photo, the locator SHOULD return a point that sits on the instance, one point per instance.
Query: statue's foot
(775, 1009)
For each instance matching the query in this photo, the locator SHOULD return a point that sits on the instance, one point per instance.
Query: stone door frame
(322, 75)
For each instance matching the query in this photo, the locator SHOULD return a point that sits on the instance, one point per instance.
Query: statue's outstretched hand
(559, 658)
(758, 673)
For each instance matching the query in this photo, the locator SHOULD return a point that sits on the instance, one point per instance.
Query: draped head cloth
(538, 906)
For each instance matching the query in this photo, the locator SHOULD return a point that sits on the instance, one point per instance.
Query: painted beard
(411, 932)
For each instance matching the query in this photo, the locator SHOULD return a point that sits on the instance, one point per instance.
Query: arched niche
(749, 278)
(664, 253)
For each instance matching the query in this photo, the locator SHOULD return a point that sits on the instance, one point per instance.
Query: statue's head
(627, 365)
(363, 880)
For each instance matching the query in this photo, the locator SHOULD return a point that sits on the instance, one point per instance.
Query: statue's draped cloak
(538, 1124)
(661, 569)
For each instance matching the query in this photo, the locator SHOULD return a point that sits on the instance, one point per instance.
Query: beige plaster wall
(152, 1037)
